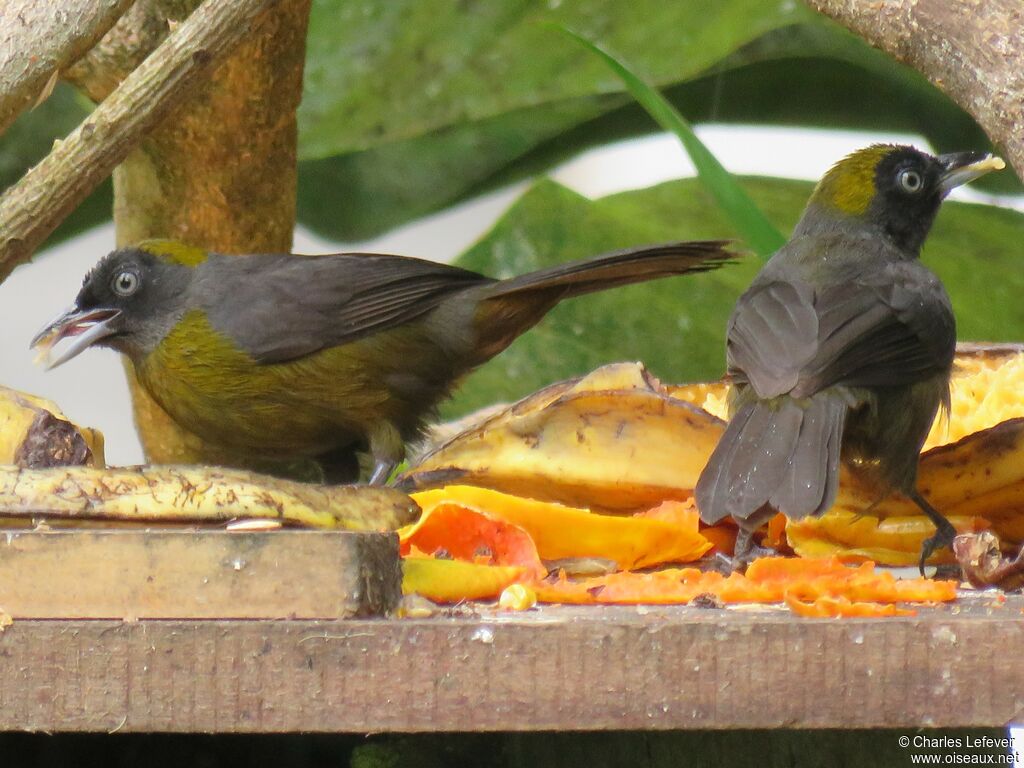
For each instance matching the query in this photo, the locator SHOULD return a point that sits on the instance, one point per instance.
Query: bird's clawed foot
(387, 449)
(745, 552)
(943, 537)
(944, 530)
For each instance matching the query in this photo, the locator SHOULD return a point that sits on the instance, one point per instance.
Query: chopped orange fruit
(565, 532)
(465, 534)
(685, 514)
(834, 607)
(768, 580)
(681, 513)
(473, 543)
(449, 581)
(776, 538)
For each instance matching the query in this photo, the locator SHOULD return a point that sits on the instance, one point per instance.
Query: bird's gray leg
(746, 549)
(387, 449)
(944, 530)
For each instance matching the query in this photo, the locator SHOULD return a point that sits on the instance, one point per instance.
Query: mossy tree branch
(33, 207)
(971, 49)
(38, 40)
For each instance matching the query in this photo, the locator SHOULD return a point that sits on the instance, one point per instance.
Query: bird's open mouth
(85, 327)
(963, 167)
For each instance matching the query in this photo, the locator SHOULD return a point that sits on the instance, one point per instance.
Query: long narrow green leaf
(742, 212)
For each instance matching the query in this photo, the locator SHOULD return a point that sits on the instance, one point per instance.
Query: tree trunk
(220, 173)
(33, 207)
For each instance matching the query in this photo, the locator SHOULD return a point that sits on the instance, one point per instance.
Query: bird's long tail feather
(510, 307)
(634, 265)
(784, 454)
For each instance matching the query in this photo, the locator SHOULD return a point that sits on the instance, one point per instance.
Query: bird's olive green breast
(305, 406)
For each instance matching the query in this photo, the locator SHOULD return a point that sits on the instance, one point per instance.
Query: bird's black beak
(961, 167)
(86, 327)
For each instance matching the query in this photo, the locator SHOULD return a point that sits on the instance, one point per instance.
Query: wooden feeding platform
(306, 648)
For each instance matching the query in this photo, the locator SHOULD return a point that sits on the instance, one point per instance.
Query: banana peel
(977, 482)
(34, 432)
(193, 495)
(614, 440)
(617, 440)
(859, 538)
(986, 388)
(972, 470)
(52, 471)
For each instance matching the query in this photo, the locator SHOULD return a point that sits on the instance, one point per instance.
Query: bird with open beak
(278, 357)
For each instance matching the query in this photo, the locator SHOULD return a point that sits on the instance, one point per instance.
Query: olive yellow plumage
(276, 357)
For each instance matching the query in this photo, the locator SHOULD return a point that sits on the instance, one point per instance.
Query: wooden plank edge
(198, 574)
(683, 669)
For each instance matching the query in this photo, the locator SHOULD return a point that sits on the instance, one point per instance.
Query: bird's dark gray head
(894, 190)
(128, 301)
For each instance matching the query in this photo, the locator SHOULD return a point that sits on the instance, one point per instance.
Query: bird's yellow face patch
(849, 185)
(174, 252)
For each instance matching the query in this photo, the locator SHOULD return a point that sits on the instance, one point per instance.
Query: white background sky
(92, 391)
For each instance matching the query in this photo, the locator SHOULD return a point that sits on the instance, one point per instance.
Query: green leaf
(677, 326)
(394, 183)
(412, 105)
(381, 72)
(436, 125)
(736, 204)
(29, 138)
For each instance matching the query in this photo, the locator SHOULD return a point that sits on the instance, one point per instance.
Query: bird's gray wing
(893, 327)
(890, 327)
(772, 336)
(281, 307)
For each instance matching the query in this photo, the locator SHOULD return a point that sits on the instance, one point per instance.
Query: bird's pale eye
(909, 181)
(125, 283)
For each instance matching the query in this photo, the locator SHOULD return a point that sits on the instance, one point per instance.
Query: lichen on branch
(33, 207)
(40, 38)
